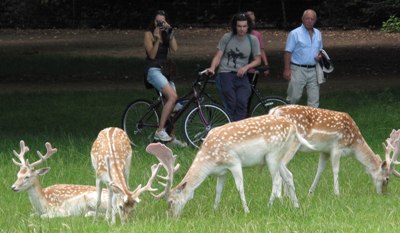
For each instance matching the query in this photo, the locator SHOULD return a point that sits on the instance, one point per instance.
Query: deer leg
(220, 185)
(127, 169)
(335, 160)
(238, 177)
(294, 147)
(288, 180)
(276, 180)
(110, 203)
(323, 157)
(98, 202)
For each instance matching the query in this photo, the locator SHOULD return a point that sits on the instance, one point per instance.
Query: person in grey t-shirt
(237, 52)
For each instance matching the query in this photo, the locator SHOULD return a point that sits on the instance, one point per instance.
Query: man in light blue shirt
(302, 53)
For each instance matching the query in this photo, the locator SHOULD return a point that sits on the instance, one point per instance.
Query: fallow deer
(246, 143)
(111, 159)
(59, 200)
(335, 134)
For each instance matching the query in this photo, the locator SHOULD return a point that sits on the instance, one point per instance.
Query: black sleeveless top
(160, 59)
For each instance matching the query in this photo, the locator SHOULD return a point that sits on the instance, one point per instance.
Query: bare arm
(173, 45)
(286, 65)
(215, 61)
(264, 60)
(151, 43)
(243, 70)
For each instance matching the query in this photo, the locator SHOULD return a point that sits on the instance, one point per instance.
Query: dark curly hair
(241, 17)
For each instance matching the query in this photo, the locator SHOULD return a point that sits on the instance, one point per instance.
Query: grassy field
(70, 120)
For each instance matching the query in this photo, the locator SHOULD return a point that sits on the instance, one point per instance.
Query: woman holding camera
(158, 41)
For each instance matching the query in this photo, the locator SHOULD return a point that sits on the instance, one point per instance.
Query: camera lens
(160, 24)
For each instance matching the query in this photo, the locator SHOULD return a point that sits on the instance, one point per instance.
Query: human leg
(312, 89)
(225, 85)
(253, 78)
(243, 92)
(296, 85)
(161, 83)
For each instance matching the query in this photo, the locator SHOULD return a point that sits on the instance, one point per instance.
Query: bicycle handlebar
(204, 72)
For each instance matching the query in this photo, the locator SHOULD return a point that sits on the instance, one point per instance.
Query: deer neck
(37, 198)
(197, 173)
(367, 157)
(118, 178)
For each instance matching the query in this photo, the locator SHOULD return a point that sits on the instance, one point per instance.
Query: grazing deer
(58, 200)
(246, 143)
(335, 134)
(111, 159)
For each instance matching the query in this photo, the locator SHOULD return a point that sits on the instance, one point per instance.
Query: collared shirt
(303, 48)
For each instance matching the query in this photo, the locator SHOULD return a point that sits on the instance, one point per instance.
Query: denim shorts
(156, 78)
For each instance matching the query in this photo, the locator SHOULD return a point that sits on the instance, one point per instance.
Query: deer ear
(116, 188)
(384, 164)
(42, 171)
(182, 187)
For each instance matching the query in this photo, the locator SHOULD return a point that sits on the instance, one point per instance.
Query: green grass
(71, 121)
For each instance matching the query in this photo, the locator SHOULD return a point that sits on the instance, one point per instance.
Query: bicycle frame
(193, 96)
(264, 100)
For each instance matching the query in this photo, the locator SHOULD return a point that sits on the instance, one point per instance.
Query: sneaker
(178, 143)
(162, 136)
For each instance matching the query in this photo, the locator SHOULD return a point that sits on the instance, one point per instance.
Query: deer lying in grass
(246, 143)
(111, 159)
(335, 134)
(59, 200)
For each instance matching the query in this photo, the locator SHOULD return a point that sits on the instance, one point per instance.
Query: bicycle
(263, 104)
(141, 117)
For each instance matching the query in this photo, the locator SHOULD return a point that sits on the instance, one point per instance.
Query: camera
(160, 24)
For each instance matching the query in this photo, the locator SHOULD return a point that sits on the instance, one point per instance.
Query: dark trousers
(235, 92)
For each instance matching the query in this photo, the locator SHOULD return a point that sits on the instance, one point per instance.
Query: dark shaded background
(134, 14)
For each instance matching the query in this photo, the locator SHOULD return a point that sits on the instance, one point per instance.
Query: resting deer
(246, 143)
(335, 134)
(59, 200)
(111, 159)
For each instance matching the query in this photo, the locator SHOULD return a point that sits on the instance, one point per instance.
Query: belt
(305, 66)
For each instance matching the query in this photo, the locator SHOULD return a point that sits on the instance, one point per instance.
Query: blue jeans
(235, 92)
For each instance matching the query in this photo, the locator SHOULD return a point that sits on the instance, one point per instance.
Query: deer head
(27, 175)
(126, 200)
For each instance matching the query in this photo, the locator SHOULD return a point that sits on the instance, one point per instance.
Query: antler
(393, 147)
(50, 152)
(21, 154)
(167, 159)
(154, 170)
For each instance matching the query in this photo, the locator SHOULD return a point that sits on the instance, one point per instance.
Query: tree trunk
(284, 14)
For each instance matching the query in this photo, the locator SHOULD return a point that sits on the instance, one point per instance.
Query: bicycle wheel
(194, 128)
(140, 120)
(266, 104)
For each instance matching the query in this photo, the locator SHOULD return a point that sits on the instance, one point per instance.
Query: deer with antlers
(335, 134)
(246, 143)
(58, 200)
(111, 159)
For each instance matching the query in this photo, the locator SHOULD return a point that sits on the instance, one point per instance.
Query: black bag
(168, 69)
(146, 83)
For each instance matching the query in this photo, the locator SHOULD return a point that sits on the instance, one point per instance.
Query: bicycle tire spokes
(200, 120)
(140, 126)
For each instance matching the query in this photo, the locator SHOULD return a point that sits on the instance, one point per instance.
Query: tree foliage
(203, 13)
